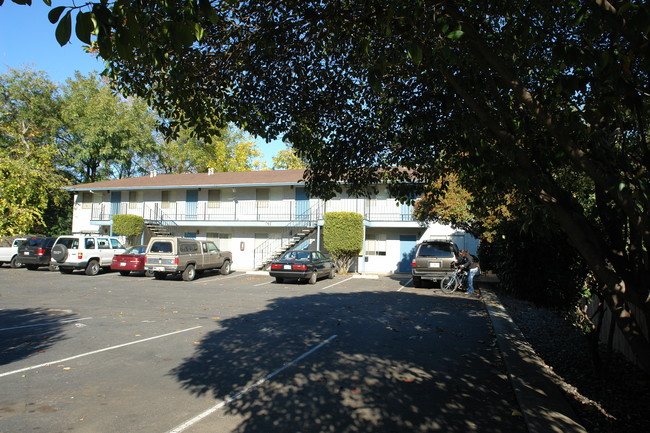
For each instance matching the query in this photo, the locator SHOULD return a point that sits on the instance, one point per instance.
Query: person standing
(472, 267)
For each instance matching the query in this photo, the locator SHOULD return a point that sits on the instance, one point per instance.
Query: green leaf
(55, 14)
(415, 52)
(456, 34)
(198, 31)
(64, 29)
(84, 27)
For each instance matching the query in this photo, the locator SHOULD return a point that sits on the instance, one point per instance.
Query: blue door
(191, 202)
(302, 204)
(407, 252)
(116, 201)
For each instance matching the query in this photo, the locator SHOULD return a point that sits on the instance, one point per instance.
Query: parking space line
(264, 283)
(47, 364)
(219, 276)
(336, 284)
(45, 324)
(404, 285)
(241, 393)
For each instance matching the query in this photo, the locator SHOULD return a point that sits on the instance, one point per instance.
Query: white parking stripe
(47, 364)
(336, 284)
(45, 324)
(218, 277)
(407, 283)
(264, 283)
(234, 397)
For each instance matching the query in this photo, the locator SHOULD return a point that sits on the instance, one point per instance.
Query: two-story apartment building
(254, 214)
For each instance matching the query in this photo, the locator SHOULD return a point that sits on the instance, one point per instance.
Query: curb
(542, 403)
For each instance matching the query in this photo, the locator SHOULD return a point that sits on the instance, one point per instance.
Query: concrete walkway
(543, 405)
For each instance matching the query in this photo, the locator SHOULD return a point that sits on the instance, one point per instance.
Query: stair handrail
(159, 217)
(268, 250)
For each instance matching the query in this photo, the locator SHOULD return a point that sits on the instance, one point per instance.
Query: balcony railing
(251, 211)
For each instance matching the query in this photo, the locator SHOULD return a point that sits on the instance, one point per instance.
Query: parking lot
(242, 353)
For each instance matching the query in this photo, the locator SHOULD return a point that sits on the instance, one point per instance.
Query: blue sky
(27, 39)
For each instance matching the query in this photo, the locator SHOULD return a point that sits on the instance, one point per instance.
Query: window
(90, 243)
(161, 247)
(262, 196)
(375, 244)
(103, 244)
(167, 199)
(133, 199)
(214, 198)
(115, 244)
(86, 200)
(222, 240)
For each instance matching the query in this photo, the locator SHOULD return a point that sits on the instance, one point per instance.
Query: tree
(515, 95)
(31, 198)
(104, 136)
(286, 159)
(230, 150)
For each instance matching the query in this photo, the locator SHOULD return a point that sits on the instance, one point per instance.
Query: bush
(343, 237)
(128, 225)
(540, 267)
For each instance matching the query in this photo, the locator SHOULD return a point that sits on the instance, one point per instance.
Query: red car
(131, 260)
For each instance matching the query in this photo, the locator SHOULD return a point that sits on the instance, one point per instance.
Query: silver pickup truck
(188, 257)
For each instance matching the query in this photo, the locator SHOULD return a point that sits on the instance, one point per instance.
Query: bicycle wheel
(449, 284)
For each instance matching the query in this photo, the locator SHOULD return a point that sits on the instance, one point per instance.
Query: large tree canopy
(514, 95)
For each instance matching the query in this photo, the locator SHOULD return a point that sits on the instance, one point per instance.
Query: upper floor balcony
(288, 211)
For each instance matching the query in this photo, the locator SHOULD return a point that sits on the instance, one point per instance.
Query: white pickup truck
(8, 254)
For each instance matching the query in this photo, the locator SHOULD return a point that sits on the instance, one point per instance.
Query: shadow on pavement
(400, 362)
(28, 331)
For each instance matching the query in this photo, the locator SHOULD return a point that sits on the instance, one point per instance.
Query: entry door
(191, 202)
(407, 252)
(116, 200)
(302, 204)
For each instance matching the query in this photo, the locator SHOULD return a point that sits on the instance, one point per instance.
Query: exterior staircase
(274, 248)
(157, 229)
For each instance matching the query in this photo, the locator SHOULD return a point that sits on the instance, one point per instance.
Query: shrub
(343, 237)
(128, 225)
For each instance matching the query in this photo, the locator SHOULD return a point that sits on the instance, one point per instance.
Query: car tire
(124, 273)
(417, 282)
(14, 263)
(189, 273)
(52, 267)
(59, 253)
(279, 280)
(332, 273)
(313, 278)
(160, 275)
(225, 268)
(148, 274)
(92, 268)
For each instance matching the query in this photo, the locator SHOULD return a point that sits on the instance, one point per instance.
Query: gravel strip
(616, 400)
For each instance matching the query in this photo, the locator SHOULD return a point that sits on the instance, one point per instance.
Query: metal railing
(252, 211)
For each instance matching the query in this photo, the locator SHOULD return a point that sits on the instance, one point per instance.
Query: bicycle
(453, 283)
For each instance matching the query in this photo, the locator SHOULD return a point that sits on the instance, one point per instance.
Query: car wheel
(148, 274)
(189, 273)
(53, 268)
(125, 273)
(332, 273)
(417, 282)
(313, 278)
(160, 275)
(92, 268)
(279, 279)
(225, 269)
(14, 263)
(59, 253)
(65, 270)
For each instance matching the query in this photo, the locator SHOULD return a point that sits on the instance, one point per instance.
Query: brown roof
(198, 180)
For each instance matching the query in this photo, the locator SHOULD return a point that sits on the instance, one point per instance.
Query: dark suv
(433, 261)
(35, 252)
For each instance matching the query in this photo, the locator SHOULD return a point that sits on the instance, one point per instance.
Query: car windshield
(303, 256)
(136, 250)
(436, 250)
(34, 242)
